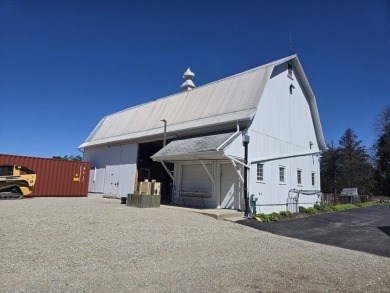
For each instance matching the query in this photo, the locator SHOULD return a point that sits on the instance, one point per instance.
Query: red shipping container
(54, 177)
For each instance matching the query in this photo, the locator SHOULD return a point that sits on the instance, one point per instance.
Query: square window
(260, 172)
(281, 174)
(299, 177)
(144, 173)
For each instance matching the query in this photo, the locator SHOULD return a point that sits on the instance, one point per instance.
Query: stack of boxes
(148, 195)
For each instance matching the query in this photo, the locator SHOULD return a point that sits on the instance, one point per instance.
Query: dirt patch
(294, 216)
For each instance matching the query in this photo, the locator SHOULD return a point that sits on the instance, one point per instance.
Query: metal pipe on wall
(165, 131)
(245, 140)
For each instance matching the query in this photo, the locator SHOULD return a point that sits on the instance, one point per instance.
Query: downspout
(245, 139)
(165, 132)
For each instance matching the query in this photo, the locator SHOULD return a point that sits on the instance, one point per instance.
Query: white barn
(203, 163)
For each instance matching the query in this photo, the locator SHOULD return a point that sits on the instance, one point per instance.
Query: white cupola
(188, 84)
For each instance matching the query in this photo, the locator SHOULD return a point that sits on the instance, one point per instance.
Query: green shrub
(285, 213)
(337, 207)
(325, 208)
(274, 217)
(269, 218)
(302, 209)
(366, 204)
(322, 207)
(343, 207)
(350, 206)
(311, 211)
(264, 217)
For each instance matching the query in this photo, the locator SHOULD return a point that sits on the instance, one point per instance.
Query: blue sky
(66, 64)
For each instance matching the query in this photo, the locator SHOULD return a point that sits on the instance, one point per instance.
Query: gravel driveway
(99, 245)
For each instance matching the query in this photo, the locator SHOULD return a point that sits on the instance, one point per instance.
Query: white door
(111, 180)
(195, 179)
(127, 169)
(230, 187)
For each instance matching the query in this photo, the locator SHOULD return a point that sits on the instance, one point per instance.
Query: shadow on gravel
(362, 229)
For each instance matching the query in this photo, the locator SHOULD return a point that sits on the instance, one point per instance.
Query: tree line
(69, 158)
(351, 165)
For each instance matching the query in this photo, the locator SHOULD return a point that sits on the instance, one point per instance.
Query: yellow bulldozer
(16, 181)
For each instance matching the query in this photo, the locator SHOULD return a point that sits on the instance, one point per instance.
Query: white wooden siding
(113, 171)
(282, 127)
(236, 148)
(111, 179)
(127, 169)
(97, 157)
(272, 195)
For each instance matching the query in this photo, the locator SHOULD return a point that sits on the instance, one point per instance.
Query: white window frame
(260, 178)
(299, 177)
(282, 174)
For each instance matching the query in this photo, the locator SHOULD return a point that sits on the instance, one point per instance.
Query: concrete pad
(219, 214)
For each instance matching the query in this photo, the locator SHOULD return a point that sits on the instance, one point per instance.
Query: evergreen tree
(382, 153)
(346, 166)
(356, 170)
(330, 166)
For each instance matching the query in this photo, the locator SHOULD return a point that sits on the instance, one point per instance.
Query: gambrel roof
(226, 101)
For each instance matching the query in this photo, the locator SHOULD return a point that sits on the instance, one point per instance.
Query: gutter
(284, 157)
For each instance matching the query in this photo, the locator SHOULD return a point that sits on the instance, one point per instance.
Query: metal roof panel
(229, 100)
(193, 145)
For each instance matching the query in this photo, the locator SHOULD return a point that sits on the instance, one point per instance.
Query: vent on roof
(188, 84)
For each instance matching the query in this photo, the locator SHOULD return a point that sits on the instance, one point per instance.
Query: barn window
(291, 88)
(281, 174)
(289, 70)
(299, 177)
(144, 173)
(313, 179)
(260, 172)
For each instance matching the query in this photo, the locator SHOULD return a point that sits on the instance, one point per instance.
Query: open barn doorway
(148, 169)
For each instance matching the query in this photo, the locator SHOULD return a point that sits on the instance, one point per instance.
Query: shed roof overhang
(217, 155)
(210, 147)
